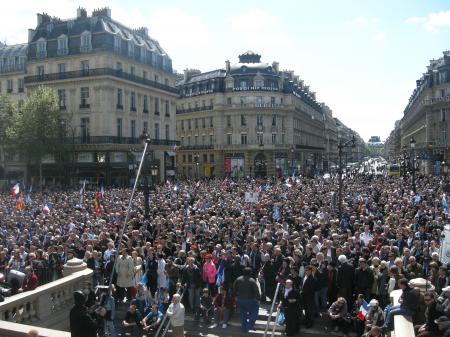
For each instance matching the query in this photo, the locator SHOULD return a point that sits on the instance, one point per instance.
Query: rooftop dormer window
(41, 49)
(117, 44)
(86, 42)
(130, 49)
(63, 45)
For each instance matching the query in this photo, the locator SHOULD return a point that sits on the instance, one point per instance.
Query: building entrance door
(260, 165)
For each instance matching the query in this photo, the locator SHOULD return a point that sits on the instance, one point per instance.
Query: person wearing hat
(374, 316)
(290, 305)
(82, 324)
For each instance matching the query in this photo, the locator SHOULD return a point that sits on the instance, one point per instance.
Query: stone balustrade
(48, 305)
(403, 325)
(8, 329)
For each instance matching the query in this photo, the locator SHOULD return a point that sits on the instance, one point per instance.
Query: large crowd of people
(207, 248)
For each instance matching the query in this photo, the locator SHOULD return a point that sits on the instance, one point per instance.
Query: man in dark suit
(290, 304)
(345, 278)
(307, 296)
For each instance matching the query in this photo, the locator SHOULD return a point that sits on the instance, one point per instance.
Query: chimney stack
(227, 66)
(275, 66)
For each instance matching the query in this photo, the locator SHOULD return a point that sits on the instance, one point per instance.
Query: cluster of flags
(18, 191)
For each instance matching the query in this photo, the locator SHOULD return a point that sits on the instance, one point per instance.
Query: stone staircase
(199, 328)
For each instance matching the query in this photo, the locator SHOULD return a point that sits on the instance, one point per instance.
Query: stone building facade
(251, 118)
(426, 117)
(113, 83)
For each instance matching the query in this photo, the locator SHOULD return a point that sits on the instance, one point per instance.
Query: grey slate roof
(13, 50)
(94, 24)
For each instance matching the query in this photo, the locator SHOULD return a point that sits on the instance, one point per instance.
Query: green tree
(7, 114)
(36, 130)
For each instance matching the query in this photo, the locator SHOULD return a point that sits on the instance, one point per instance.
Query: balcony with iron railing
(197, 147)
(98, 72)
(8, 68)
(197, 109)
(116, 140)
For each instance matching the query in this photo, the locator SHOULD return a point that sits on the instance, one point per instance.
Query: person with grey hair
(176, 316)
(290, 304)
(345, 278)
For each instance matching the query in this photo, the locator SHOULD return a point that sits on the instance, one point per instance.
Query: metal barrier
(165, 318)
(269, 319)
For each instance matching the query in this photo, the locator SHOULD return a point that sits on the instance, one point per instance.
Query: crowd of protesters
(205, 245)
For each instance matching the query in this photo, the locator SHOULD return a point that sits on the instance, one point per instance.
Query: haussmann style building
(249, 118)
(113, 83)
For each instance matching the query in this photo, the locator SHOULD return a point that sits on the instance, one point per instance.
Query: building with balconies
(113, 83)
(249, 118)
(425, 117)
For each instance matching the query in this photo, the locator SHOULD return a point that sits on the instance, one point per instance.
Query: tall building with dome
(249, 118)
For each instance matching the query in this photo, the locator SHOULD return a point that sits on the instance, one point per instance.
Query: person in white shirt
(366, 236)
(176, 316)
(161, 271)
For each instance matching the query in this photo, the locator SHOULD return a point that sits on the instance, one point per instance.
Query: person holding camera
(82, 323)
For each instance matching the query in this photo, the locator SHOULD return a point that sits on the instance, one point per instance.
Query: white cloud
(183, 31)
(379, 37)
(258, 28)
(363, 21)
(433, 22)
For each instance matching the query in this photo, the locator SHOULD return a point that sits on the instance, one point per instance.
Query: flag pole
(122, 231)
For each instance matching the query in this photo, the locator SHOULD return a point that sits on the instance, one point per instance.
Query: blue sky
(360, 57)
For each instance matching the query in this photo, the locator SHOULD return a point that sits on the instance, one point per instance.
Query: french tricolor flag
(15, 190)
(363, 310)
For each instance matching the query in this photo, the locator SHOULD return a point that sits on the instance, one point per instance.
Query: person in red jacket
(209, 274)
(30, 282)
(223, 306)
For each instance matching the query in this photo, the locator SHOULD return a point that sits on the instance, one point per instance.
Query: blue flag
(276, 214)
(445, 203)
(220, 273)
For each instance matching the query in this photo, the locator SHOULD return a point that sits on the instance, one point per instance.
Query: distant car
(326, 176)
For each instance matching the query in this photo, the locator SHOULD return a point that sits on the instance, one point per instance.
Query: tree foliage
(7, 115)
(36, 128)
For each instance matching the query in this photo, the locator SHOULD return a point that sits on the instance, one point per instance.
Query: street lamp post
(412, 143)
(341, 146)
(145, 187)
(404, 161)
(292, 160)
(196, 159)
(446, 187)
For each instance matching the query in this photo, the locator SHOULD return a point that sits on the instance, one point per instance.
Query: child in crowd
(223, 306)
(206, 305)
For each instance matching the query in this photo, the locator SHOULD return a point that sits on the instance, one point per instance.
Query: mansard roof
(13, 50)
(52, 28)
